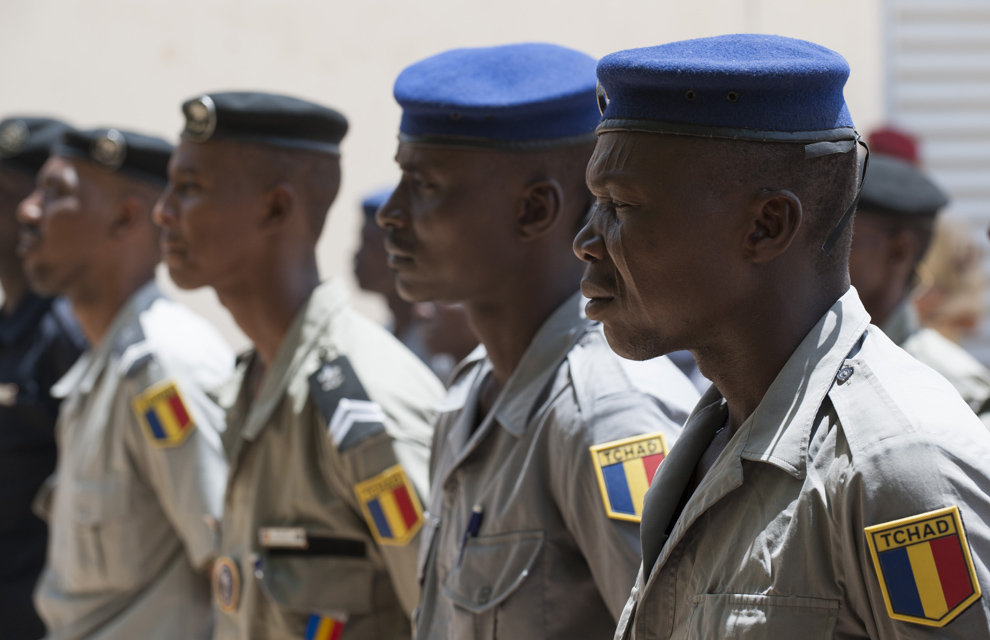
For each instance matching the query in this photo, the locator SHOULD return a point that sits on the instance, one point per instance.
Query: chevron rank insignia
(625, 469)
(924, 566)
(163, 414)
(323, 628)
(390, 506)
(351, 416)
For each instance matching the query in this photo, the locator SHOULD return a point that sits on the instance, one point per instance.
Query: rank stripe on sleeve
(924, 567)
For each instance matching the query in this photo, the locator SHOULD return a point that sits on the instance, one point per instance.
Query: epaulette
(350, 414)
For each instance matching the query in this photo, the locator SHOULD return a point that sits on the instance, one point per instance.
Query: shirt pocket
(99, 553)
(752, 617)
(493, 590)
(298, 585)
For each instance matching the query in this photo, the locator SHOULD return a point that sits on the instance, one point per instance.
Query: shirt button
(844, 374)
(484, 594)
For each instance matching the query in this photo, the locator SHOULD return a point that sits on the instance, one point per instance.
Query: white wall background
(131, 63)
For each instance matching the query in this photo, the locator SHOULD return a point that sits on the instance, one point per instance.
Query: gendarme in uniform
(853, 502)
(533, 511)
(140, 471)
(328, 441)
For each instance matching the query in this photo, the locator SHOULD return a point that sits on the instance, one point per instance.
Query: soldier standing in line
(39, 341)
(328, 416)
(546, 441)
(140, 470)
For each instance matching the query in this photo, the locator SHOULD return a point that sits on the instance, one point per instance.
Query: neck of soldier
(266, 301)
(507, 321)
(747, 353)
(96, 306)
(15, 287)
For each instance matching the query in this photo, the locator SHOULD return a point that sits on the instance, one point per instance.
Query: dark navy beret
(374, 200)
(743, 86)
(264, 118)
(513, 96)
(126, 152)
(897, 187)
(26, 142)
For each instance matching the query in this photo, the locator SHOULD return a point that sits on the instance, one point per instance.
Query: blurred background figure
(39, 341)
(438, 334)
(894, 226)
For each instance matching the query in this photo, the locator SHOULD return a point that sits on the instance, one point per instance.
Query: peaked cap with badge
(27, 141)
(129, 153)
(514, 97)
(853, 500)
(262, 118)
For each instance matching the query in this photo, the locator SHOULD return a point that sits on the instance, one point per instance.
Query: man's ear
(279, 203)
(540, 209)
(776, 218)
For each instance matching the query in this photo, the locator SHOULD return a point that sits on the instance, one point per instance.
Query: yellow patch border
(363, 494)
(603, 490)
(140, 402)
(235, 587)
(960, 531)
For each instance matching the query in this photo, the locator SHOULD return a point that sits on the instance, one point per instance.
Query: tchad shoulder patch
(350, 414)
(390, 506)
(625, 469)
(163, 414)
(924, 566)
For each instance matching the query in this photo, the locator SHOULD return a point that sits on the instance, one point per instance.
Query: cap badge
(110, 149)
(201, 118)
(13, 135)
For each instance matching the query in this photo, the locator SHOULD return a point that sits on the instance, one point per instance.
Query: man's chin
(633, 346)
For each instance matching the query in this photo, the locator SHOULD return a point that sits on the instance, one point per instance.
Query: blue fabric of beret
(741, 86)
(271, 119)
(26, 141)
(373, 201)
(130, 153)
(512, 96)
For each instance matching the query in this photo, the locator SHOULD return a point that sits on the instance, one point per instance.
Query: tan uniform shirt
(774, 542)
(140, 474)
(539, 557)
(964, 372)
(342, 404)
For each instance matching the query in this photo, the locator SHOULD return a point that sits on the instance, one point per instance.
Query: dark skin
(489, 230)
(86, 233)
(372, 273)
(244, 220)
(686, 250)
(882, 262)
(15, 185)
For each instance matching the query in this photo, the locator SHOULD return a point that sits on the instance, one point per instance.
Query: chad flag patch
(625, 469)
(390, 506)
(163, 414)
(924, 565)
(323, 628)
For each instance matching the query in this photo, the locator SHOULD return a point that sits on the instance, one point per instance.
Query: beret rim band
(470, 142)
(69, 151)
(706, 131)
(294, 144)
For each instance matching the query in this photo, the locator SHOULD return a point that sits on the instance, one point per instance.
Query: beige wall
(130, 63)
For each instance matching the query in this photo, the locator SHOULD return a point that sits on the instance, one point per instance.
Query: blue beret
(26, 142)
(744, 86)
(132, 154)
(264, 118)
(896, 187)
(374, 200)
(513, 96)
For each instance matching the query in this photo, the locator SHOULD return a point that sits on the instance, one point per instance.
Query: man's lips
(396, 254)
(595, 291)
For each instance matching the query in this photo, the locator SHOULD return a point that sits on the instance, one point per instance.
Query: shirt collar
(547, 349)
(779, 430)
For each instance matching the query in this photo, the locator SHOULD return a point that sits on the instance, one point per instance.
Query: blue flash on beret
(509, 96)
(742, 86)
